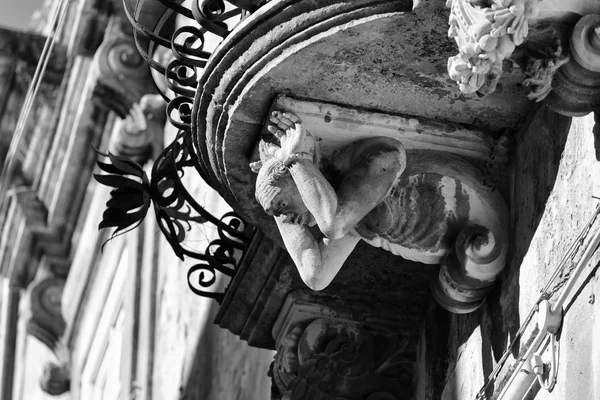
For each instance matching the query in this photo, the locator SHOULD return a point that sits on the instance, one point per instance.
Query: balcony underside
(378, 56)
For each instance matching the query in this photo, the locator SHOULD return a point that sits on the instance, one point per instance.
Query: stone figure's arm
(318, 260)
(375, 166)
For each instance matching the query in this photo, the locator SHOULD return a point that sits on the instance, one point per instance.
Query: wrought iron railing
(175, 208)
(190, 45)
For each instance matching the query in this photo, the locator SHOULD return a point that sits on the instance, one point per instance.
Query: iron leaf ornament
(130, 200)
(175, 209)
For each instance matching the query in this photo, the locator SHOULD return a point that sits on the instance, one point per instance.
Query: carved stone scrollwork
(122, 75)
(327, 359)
(576, 86)
(46, 322)
(124, 86)
(487, 32)
(48, 326)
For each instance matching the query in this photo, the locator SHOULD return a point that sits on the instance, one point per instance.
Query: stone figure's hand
(294, 139)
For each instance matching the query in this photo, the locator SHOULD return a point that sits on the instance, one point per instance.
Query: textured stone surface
(553, 179)
(381, 57)
(194, 358)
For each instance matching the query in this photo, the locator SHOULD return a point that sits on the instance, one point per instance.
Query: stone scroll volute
(419, 190)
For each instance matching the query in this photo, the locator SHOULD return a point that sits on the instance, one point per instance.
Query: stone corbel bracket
(121, 84)
(48, 326)
(470, 266)
(121, 76)
(487, 33)
(46, 322)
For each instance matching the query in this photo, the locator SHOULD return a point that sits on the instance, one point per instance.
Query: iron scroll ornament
(176, 211)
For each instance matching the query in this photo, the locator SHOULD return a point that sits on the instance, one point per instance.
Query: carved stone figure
(140, 128)
(413, 203)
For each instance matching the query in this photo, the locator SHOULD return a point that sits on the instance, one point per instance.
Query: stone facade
(78, 321)
(119, 317)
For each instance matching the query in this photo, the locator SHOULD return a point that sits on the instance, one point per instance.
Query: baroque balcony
(351, 70)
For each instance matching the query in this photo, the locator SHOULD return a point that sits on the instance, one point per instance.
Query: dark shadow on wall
(224, 367)
(538, 150)
(534, 168)
(199, 384)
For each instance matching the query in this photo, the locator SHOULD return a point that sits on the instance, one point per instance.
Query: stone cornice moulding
(339, 126)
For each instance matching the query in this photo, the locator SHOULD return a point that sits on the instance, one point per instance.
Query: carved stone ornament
(140, 128)
(56, 379)
(327, 359)
(121, 75)
(46, 322)
(487, 32)
(576, 86)
(415, 203)
(540, 57)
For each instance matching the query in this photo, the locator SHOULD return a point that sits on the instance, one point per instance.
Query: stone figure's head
(278, 194)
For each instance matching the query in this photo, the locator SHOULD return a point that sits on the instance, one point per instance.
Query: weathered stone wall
(194, 358)
(554, 176)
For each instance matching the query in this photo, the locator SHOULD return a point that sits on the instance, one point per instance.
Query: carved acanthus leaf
(487, 32)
